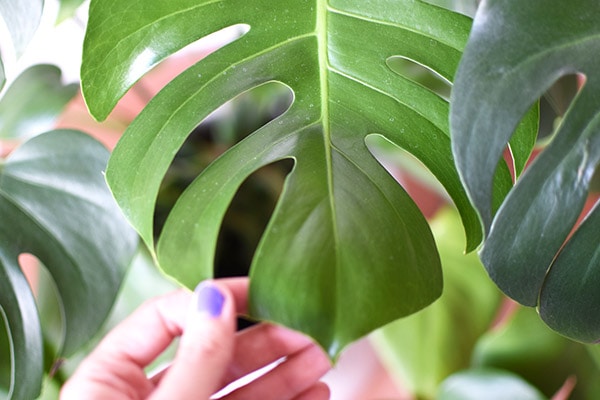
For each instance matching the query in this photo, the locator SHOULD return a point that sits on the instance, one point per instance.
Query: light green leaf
(509, 63)
(424, 349)
(22, 19)
(67, 9)
(487, 384)
(54, 204)
(2, 73)
(34, 101)
(524, 345)
(342, 225)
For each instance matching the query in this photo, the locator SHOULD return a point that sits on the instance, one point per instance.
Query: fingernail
(210, 299)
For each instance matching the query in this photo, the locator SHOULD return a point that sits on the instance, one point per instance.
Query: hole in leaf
(221, 130)
(247, 217)
(422, 186)
(49, 307)
(595, 184)
(420, 74)
(179, 61)
(555, 102)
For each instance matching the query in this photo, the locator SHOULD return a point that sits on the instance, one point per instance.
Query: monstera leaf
(516, 51)
(34, 101)
(55, 205)
(21, 19)
(346, 249)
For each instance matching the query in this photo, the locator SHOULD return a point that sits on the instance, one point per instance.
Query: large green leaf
(346, 250)
(424, 349)
(54, 204)
(509, 63)
(34, 101)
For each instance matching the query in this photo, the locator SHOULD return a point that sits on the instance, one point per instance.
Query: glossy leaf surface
(34, 101)
(342, 226)
(424, 349)
(508, 64)
(55, 205)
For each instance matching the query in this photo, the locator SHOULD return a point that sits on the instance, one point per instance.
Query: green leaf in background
(487, 384)
(34, 101)
(342, 226)
(67, 9)
(55, 205)
(527, 347)
(508, 64)
(2, 73)
(22, 19)
(424, 349)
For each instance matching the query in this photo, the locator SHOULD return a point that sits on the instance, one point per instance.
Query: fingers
(294, 377)
(262, 345)
(117, 364)
(319, 391)
(206, 346)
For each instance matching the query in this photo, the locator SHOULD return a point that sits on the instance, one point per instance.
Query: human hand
(210, 354)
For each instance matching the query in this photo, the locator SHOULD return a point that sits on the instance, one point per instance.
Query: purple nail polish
(210, 299)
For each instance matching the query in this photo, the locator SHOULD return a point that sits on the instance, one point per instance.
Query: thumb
(205, 348)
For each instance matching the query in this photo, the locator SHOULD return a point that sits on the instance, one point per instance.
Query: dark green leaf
(424, 349)
(342, 225)
(54, 204)
(509, 63)
(487, 384)
(576, 270)
(34, 101)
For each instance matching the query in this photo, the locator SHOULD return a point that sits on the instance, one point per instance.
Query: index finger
(146, 333)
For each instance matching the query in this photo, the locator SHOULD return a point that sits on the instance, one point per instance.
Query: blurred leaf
(525, 346)
(508, 64)
(67, 9)
(2, 74)
(22, 19)
(425, 348)
(342, 225)
(487, 384)
(142, 282)
(34, 101)
(54, 204)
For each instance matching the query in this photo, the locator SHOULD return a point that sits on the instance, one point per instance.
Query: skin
(210, 354)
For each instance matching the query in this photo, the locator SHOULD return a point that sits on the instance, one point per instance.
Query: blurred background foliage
(471, 335)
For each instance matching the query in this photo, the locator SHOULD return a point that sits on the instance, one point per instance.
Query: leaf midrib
(321, 31)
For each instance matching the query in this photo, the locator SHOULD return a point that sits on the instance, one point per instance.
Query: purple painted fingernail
(210, 299)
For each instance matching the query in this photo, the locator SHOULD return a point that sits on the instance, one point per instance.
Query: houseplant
(338, 71)
(54, 205)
